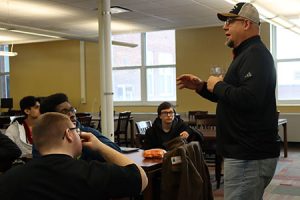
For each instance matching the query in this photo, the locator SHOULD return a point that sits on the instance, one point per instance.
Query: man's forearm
(112, 156)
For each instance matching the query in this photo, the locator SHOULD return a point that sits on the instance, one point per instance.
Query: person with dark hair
(247, 119)
(20, 130)
(165, 127)
(9, 151)
(57, 174)
(59, 102)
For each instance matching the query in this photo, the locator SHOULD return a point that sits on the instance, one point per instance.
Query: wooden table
(152, 168)
(283, 122)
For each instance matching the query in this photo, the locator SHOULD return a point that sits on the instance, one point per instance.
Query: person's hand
(188, 81)
(184, 134)
(212, 81)
(89, 140)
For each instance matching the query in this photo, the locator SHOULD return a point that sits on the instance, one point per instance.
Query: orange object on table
(154, 153)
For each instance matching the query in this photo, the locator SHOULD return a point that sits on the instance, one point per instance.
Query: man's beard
(229, 43)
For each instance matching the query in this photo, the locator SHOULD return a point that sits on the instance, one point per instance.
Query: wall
(41, 69)
(196, 51)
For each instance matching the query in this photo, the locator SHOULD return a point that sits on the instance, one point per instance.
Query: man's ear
(27, 111)
(247, 25)
(159, 116)
(69, 135)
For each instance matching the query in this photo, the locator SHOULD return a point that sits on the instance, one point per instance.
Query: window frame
(273, 35)
(143, 74)
(4, 60)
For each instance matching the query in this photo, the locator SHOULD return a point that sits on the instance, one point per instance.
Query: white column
(104, 21)
(82, 73)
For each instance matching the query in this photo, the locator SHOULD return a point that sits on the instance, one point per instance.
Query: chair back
(209, 146)
(122, 128)
(15, 113)
(4, 122)
(85, 120)
(142, 126)
(192, 116)
(82, 114)
(123, 121)
(206, 121)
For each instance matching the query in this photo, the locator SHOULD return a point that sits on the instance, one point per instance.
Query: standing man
(57, 174)
(59, 102)
(247, 118)
(20, 130)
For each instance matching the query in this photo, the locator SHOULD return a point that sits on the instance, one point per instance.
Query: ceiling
(77, 19)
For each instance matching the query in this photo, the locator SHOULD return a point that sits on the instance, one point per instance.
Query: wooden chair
(85, 120)
(192, 116)
(207, 121)
(82, 114)
(15, 113)
(209, 146)
(122, 128)
(141, 128)
(99, 122)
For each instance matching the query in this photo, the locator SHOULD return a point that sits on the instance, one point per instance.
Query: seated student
(165, 127)
(58, 175)
(59, 103)
(9, 151)
(20, 130)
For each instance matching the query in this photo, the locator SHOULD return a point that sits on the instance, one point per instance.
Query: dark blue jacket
(156, 137)
(87, 154)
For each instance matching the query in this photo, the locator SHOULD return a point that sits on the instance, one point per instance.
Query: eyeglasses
(67, 111)
(231, 20)
(167, 113)
(77, 130)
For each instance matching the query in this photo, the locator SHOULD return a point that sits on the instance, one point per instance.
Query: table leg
(285, 143)
(132, 133)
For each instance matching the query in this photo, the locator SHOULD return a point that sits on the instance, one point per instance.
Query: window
(145, 74)
(4, 73)
(287, 59)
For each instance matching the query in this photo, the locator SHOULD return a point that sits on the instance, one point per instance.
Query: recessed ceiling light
(119, 9)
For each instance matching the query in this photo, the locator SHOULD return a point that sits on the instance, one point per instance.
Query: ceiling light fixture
(118, 10)
(8, 53)
(124, 44)
(32, 33)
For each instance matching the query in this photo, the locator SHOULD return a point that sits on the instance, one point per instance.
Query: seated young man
(20, 130)
(59, 102)
(57, 174)
(165, 127)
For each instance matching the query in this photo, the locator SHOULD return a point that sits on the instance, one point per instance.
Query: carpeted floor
(285, 185)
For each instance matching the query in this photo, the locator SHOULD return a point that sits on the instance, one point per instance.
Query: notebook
(128, 149)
